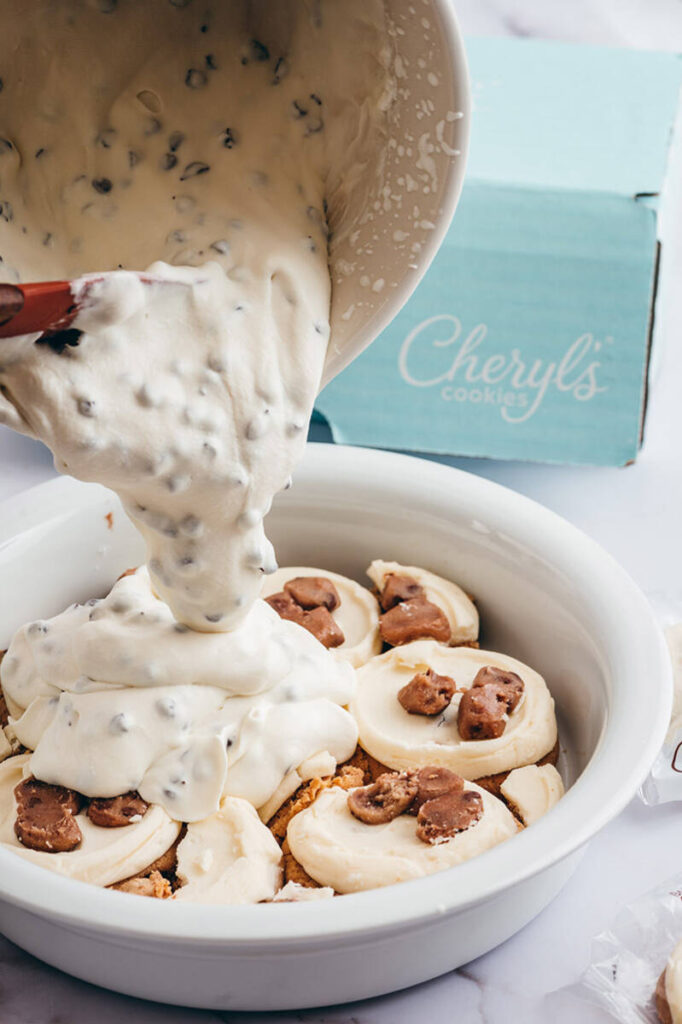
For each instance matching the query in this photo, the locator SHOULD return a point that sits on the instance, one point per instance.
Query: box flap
(561, 116)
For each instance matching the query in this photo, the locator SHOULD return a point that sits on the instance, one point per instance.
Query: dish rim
(637, 719)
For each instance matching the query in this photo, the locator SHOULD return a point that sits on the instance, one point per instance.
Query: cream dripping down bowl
(547, 594)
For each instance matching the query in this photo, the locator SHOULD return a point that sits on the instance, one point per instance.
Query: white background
(635, 512)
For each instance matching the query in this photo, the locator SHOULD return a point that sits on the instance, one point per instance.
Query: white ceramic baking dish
(547, 594)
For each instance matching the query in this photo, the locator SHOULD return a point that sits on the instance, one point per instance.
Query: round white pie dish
(547, 595)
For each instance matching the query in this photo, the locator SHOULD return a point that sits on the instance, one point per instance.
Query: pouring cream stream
(220, 142)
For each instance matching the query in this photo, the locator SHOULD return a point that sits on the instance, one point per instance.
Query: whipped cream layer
(135, 132)
(117, 695)
(357, 614)
(338, 850)
(401, 740)
(105, 855)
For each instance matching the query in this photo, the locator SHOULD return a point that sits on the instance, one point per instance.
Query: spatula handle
(45, 307)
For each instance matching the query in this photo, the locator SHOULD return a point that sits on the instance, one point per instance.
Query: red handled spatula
(45, 307)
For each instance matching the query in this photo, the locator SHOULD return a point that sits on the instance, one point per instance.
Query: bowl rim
(453, 181)
(637, 720)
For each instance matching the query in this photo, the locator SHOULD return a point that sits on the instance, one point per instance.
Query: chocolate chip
(194, 169)
(385, 799)
(209, 61)
(399, 588)
(175, 140)
(228, 139)
(86, 406)
(2, 85)
(106, 137)
(415, 619)
(116, 811)
(427, 693)
(316, 99)
(299, 110)
(313, 591)
(259, 51)
(281, 70)
(6, 211)
(60, 340)
(444, 817)
(102, 185)
(39, 152)
(434, 782)
(196, 79)
(509, 683)
(45, 817)
(168, 161)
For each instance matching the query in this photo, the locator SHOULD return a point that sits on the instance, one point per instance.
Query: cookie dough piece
(402, 740)
(229, 858)
(357, 613)
(105, 855)
(347, 777)
(153, 885)
(339, 851)
(321, 765)
(458, 608)
(531, 791)
(668, 995)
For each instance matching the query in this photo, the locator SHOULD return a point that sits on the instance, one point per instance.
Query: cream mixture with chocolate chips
(223, 139)
(227, 132)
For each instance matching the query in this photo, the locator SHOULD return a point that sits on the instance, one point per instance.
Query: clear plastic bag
(664, 781)
(627, 960)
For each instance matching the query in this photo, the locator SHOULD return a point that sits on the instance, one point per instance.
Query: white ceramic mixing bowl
(547, 595)
(401, 215)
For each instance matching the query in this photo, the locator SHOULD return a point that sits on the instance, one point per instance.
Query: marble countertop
(633, 512)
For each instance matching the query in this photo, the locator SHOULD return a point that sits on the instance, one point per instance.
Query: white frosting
(116, 697)
(105, 855)
(292, 892)
(5, 745)
(228, 858)
(459, 609)
(357, 614)
(338, 850)
(401, 740)
(533, 790)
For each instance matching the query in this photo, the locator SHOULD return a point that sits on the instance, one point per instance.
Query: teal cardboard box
(529, 336)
